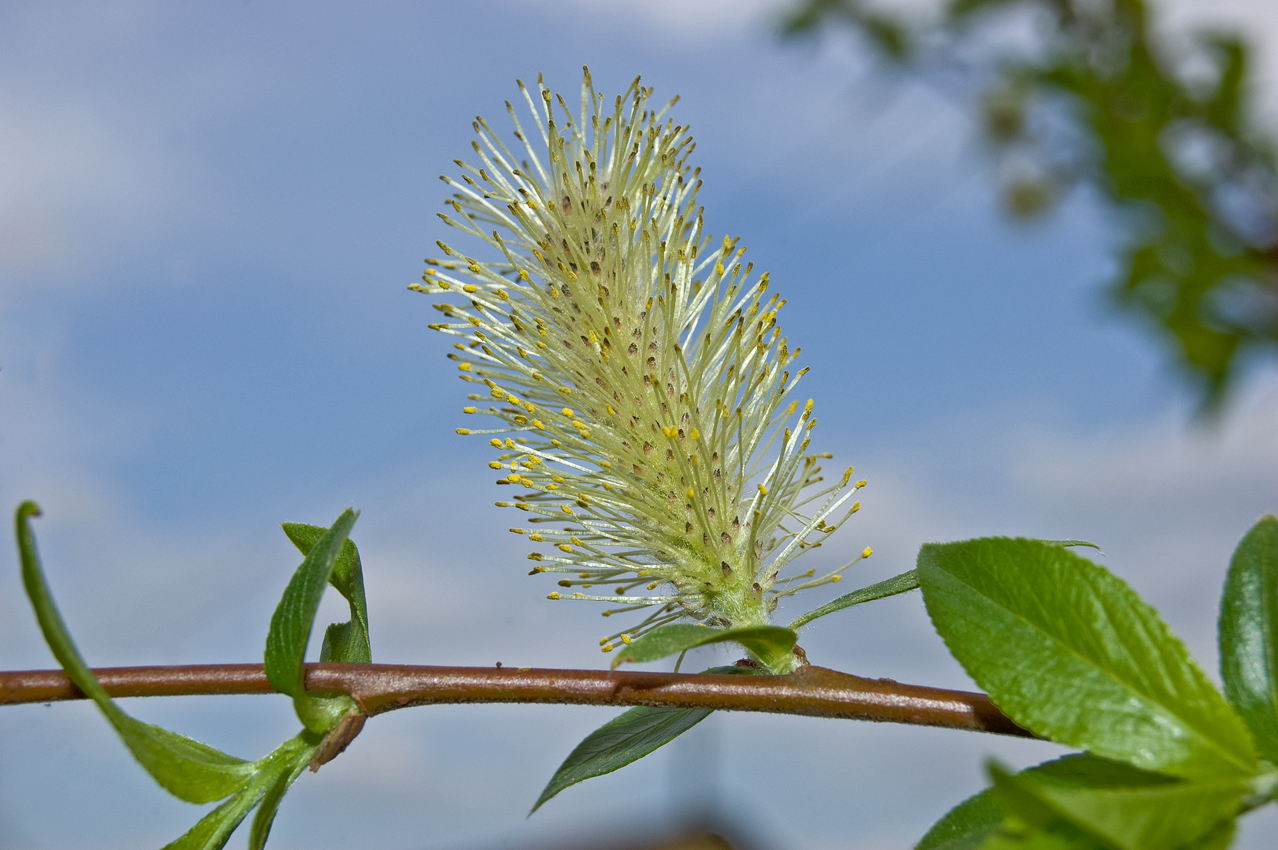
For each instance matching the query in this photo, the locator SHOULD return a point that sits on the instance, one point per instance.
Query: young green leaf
(1124, 808)
(349, 641)
(626, 738)
(1070, 652)
(186, 768)
(1249, 634)
(763, 641)
(888, 587)
(276, 772)
(270, 803)
(291, 630)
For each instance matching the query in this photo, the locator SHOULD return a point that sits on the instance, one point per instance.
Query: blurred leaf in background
(1077, 91)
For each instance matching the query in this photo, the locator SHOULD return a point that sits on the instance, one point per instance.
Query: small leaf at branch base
(762, 641)
(186, 768)
(1070, 652)
(626, 738)
(888, 587)
(1249, 634)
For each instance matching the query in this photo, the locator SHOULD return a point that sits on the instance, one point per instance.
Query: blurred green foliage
(1087, 91)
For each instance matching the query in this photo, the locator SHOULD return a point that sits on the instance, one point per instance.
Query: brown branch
(813, 691)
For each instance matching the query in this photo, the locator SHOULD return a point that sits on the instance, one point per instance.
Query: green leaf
(1122, 807)
(1249, 634)
(1070, 652)
(347, 642)
(186, 768)
(888, 587)
(966, 826)
(214, 829)
(291, 630)
(763, 641)
(626, 738)
(276, 772)
(271, 800)
(969, 824)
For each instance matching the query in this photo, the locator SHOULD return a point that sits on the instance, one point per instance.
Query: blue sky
(209, 214)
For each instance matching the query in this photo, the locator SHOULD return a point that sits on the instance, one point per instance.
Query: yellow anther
(443, 284)
(470, 287)
(534, 556)
(557, 479)
(577, 423)
(694, 434)
(510, 444)
(564, 547)
(692, 494)
(763, 490)
(552, 486)
(535, 537)
(463, 430)
(552, 595)
(523, 275)
(557, 444)
(502, 504)
(836, 578)
(861, 483)
(856, 506)
(654, 585)
(670, 432)
(625, 639)
(607, 647)
(495, 443)
(465, 367)
(492, 464)
(536, 423)
(603, 641)
(847, 476)
(566, 510)
(468, 410)
(579, 595)
(512, 399)
(611, 411)
(501, 293)
(576, 542)
(867, 552)
(512, 478)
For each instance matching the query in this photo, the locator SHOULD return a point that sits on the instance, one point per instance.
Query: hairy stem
(378, 688)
